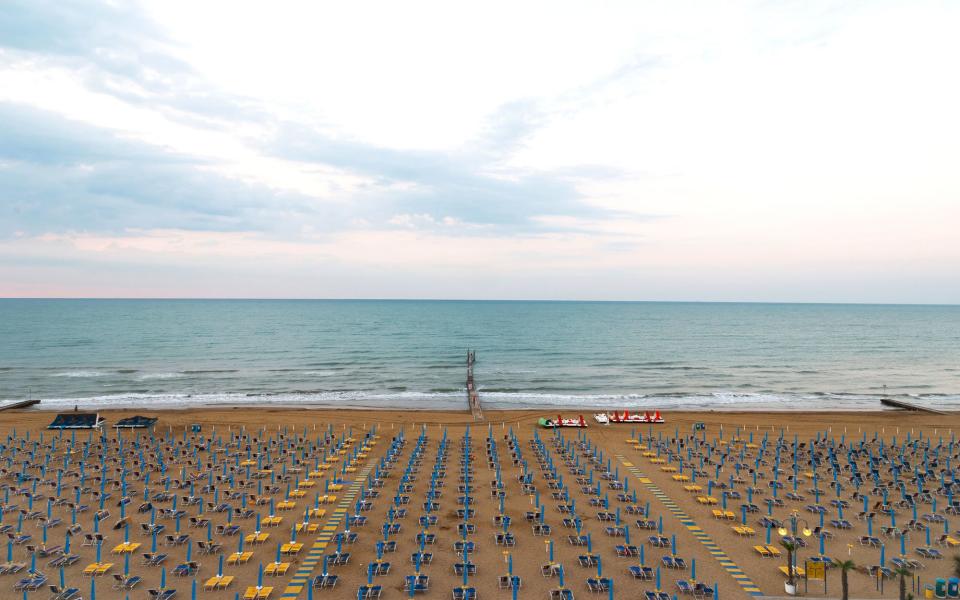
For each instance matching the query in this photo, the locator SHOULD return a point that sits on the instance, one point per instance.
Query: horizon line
(518, 300)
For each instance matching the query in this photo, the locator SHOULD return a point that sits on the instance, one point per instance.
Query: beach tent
(76, 420)
(136, 422)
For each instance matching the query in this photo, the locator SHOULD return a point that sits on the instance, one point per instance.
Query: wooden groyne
(20, 404)
(908, 406)
(473, 397)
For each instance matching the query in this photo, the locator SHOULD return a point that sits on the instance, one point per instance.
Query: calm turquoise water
(411, 353)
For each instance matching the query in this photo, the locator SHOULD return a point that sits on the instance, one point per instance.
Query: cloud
(61, 175)
(116, 50)
(119, 51)
(469, 186)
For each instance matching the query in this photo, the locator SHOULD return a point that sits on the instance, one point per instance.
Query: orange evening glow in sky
(775, 151)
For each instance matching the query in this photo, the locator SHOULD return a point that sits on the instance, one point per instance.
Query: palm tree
(845, 566)
(790, 547)
(903, 572)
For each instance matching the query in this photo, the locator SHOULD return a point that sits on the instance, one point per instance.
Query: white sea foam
(148, 376)
(719, 401)
(78, 374)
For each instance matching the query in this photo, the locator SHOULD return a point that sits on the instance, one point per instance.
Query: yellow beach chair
(291, 548)
(762, 551)
(255, 593)
(276, 569)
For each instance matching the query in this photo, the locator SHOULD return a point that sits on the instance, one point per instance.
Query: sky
(642, 150)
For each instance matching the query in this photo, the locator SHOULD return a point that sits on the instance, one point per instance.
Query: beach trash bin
(953, 587)
(928, 591)
(940, 589)
(195, 428)
(699, 426)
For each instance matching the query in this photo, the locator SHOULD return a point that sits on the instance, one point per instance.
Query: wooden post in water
(473, 397)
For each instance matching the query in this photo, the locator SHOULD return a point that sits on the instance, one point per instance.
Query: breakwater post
(473, 397)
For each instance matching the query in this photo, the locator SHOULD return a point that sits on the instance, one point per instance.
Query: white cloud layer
(616, 150)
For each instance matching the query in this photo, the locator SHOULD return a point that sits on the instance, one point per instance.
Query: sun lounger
(59, 593)
(598, 584)
(369, 592)
(126, 582)
(464, 593)
(255, 593)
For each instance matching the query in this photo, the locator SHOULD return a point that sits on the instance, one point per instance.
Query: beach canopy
(136, 422)
(76, 420)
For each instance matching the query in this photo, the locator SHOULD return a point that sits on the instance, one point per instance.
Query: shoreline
(820, 419)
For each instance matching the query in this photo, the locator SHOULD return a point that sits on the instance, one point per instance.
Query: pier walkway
(473, 397)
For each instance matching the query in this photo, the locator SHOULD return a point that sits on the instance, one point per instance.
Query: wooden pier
(19, 404)
(908, 406)
(473, 397)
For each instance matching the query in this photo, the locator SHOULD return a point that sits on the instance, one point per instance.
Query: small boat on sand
(561, 422)
(627, 417)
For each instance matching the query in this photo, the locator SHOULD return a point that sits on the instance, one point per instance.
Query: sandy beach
(286, 437)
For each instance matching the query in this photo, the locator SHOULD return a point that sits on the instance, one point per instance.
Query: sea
(397, 354)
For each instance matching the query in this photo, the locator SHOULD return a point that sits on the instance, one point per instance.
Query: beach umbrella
(560, 574)
(883, 554)
(657, 582)
(163, 578)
